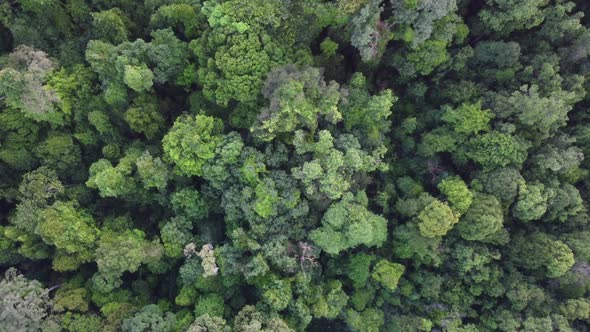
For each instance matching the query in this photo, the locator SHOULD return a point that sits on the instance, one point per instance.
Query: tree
(496, 149)
(107, 179)
(436, 219)
(347, 224)
(359, 269)
(110, 26)
(387, 274)
(137, 65)
(40, 186)
(150, 318)
(277, 293)
(211, 304)
(559, 155)
(475, 265)
(208, 323)
(565, 202)
(503, 183)
(135, 174)
(190, 203)
(496, 62)
(22, 83)
(576, 242)
(369, 320)
(138, 78)
(351, 6)
(526, 102)
(297, 99)
(24, 303)
(365, 114)
(483, 219)
(425, 29)
(168, 56)
(75, 88)
(70, 230)
(369, 34)
(119, 252)
(468, 118)
(576, 309)
(246, 48)
(329, 299)
(59, 152)
(503, 17)
(540, 252)
(153, 172)
(335, 164)
(539, 323)
(19, 139)
(410, 244)
(531, 203)
(144, 117)
(38, 189)
(410, 323)
(249, 319)
(77, 322)
(421, 18)
(191, 142)
(423, 59)
(457, 193)
(70, 299)
(183, 17)
(176, 234)
(207, 256)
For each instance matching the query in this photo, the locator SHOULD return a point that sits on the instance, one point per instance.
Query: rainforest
(295, 165)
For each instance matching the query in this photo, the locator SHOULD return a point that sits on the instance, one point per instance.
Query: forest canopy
(294, 165)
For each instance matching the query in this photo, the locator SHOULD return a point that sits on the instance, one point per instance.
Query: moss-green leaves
(388, 274)
(191, 142)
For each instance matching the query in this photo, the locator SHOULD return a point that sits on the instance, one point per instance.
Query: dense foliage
(294, 165)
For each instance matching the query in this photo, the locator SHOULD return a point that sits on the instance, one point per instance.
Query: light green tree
(191, 142)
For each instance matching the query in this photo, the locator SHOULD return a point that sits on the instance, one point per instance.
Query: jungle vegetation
(294, 165)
